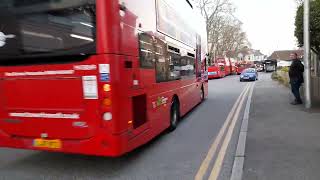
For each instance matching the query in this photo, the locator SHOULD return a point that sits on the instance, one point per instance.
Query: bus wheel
(174, 115)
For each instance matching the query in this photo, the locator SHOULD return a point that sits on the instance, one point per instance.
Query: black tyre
(174, 116)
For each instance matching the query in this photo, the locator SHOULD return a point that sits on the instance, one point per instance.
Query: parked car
(259, 68)
(249, 74)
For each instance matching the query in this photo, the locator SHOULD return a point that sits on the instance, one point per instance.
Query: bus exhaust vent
(139, 106)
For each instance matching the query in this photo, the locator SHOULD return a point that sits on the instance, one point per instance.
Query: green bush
(285, 69)
(280, 78)
(274, 76)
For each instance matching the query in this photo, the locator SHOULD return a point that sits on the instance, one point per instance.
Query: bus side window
(146, 47)
(162, 65)
(175, 65)
(187, 66)
(171, 65)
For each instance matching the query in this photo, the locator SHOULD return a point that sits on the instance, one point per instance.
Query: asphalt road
(176, 155)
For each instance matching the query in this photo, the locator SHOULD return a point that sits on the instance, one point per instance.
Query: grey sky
(268, 23)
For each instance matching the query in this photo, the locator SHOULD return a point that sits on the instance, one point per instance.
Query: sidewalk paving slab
(283, 141)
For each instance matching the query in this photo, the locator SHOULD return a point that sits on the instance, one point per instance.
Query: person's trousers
(295, 88)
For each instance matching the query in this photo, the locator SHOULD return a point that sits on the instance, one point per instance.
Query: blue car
(249, 74)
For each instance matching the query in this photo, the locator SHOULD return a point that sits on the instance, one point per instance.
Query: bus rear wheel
(174, 116)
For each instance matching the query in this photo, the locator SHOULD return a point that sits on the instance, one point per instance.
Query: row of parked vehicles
(248, 71)
(224, 67)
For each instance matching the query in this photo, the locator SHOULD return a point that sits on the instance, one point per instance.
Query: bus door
(200, 66)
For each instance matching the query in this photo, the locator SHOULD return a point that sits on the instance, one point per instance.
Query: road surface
(176, 155)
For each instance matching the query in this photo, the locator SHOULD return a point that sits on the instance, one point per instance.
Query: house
(246, 54)
(258, 56)
(283, 57)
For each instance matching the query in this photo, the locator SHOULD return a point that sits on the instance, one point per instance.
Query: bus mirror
(207, 56)
(123, 7)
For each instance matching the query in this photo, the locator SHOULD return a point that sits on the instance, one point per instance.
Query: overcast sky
(269, 24)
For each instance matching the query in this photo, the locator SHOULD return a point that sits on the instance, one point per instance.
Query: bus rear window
(46, 28)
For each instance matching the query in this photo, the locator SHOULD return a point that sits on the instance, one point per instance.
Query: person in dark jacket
(296, 77)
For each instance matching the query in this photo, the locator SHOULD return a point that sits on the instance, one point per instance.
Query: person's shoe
(296, 102)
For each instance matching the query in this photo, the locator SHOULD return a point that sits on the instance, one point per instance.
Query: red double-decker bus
(228, 65)
(97, 77)
(217, 70)
(242, 66)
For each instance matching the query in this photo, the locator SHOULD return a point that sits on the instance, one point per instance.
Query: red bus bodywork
(229, 68)
(233, 67)
(216, 71)
(242, 66)
(106, 104)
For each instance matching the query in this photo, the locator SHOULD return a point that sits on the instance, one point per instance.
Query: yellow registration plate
(51, 144)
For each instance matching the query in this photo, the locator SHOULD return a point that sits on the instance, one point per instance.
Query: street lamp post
(306, 43)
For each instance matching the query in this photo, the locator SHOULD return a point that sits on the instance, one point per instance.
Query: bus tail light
(106, 108)
(107, 88)
(106, 102)
(107, 116)
(107, 119)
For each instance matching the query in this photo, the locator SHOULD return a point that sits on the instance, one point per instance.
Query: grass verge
(282, 77)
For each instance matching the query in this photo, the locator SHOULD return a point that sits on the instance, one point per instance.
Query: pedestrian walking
(296, 78)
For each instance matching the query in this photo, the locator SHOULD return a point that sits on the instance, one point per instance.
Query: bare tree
(233, 36)
(213, 12)
(223, 29)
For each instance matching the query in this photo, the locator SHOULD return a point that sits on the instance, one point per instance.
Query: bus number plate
(51, 144)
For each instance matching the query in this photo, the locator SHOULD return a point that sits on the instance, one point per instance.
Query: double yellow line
(229, 125)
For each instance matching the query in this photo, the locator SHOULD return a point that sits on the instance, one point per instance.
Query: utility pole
(307, 76)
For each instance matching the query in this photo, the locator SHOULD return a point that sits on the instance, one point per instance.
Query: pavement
(283, 141)
(171, 156)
